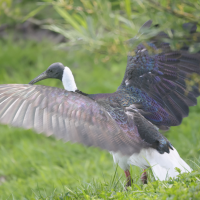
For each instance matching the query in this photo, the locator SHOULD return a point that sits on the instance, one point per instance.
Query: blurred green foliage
(103, 26)
(35, 167)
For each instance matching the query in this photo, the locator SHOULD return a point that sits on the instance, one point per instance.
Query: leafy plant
(103, 25)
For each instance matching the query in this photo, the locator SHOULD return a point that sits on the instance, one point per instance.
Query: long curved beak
(39, 78)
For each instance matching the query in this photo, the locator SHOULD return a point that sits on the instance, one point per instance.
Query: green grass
(35, 167)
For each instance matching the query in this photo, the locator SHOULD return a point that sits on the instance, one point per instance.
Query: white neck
(68, 80)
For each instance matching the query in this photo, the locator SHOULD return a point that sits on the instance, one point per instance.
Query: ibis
(158, 87)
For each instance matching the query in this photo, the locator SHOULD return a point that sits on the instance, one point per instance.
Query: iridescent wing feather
(162, 83)
(74, 117)
(66, 115)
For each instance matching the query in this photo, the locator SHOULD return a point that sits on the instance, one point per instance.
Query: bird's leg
(144, 177)
(128, 178)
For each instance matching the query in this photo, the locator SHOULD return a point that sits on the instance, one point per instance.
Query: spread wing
(66, 115)
(162, 83)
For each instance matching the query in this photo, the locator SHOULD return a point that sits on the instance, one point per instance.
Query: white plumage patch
(162, 165)
(68, 80)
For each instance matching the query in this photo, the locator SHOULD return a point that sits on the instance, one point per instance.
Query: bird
(158, 87)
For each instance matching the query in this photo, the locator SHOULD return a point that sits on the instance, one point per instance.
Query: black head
(54, 71)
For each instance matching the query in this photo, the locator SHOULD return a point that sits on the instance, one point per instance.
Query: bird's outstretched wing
(161, 83)
(69, 116)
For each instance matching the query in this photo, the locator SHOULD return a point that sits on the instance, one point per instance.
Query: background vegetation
(35, 167)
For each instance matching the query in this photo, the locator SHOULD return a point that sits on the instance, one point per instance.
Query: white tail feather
(163, 165)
